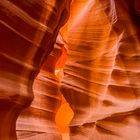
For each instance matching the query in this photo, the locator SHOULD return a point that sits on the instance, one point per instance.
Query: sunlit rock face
(28, 29)
(102, 74)
(38, 121)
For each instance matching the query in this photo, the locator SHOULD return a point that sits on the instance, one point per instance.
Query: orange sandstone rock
(102, 74)
(28, 30)
(38, 121)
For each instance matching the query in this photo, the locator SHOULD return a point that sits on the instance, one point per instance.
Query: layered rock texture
(102, 74)
(38, 121)
(101, 80)
(28, 30)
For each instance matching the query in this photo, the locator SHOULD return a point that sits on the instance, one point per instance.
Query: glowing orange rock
(102, 74)
(38, 121)
(28, 30)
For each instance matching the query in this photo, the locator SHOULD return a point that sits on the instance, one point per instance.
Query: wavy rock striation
(38, 121)
(28, 30)
(102, 74)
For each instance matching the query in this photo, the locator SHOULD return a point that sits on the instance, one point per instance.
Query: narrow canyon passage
(70, 69)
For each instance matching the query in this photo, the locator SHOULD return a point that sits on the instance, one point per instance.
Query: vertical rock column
(102, 74)
(28, 30)
(38, 121)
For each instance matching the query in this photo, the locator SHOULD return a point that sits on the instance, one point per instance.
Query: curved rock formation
(38, 121)
(28, 30)
(102, 74)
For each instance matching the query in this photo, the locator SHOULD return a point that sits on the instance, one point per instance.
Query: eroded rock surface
(102, 74)
(38, 121)
(28, 29)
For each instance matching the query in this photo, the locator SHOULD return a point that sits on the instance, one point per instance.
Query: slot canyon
(69, 70)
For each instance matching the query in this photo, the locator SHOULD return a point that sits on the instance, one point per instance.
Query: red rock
(101, 81)
(28, 30)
